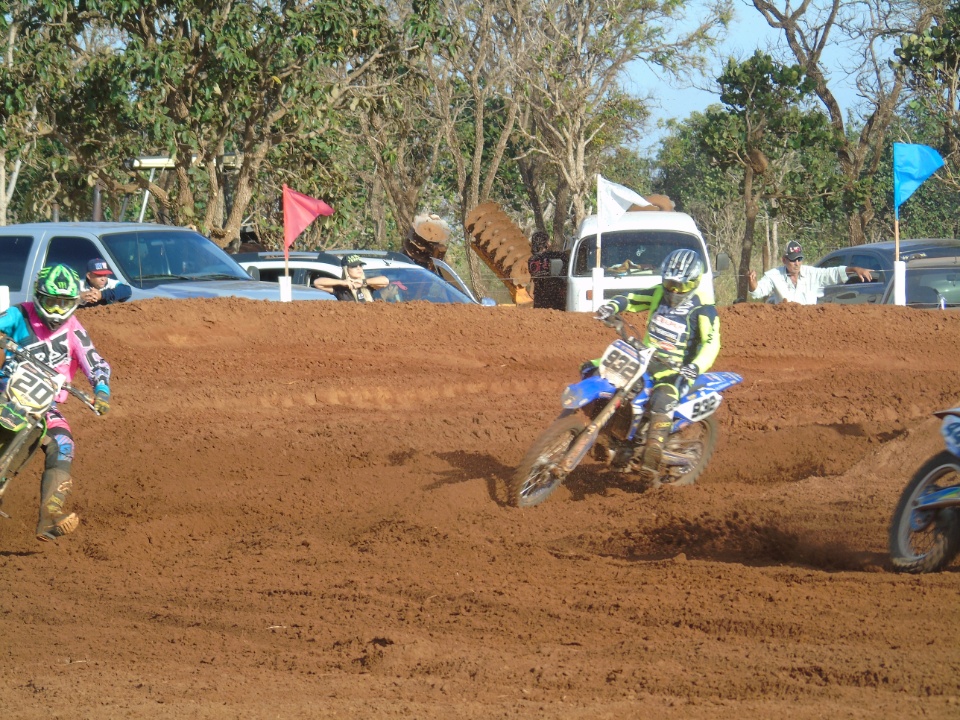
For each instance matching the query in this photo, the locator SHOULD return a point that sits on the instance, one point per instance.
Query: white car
(408, 281)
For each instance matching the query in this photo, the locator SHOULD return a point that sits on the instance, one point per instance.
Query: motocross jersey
(64, 349)
(688, 333)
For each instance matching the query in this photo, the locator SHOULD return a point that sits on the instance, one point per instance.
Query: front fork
(585, 440)
(9, 451)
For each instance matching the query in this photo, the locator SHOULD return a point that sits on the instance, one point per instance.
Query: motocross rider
(686, 332)
(48, 328)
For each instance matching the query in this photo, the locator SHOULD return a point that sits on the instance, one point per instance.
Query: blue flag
(912, 164)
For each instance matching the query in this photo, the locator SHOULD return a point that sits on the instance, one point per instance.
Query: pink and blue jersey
(65, 349)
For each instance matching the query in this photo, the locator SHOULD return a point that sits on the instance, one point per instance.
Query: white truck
(631, 251)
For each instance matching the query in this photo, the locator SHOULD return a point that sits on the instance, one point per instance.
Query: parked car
(408, 281)
(154, 260)
(878, 257)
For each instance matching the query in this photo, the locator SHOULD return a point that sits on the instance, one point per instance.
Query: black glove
(690, 371)
(588, 368)
(607, 310)
(101, 403)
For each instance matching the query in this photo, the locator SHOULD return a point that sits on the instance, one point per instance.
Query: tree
(863, 26)
(929, 62)
(574, 62)
(762, 119)
(199, 81)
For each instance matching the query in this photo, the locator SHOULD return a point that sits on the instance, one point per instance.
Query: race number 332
(705, 406)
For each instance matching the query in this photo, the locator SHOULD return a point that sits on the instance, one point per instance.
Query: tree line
(390, 108)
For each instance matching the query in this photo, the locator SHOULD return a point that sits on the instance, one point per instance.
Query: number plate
(32, 390)
(951, 433)
(622, 363)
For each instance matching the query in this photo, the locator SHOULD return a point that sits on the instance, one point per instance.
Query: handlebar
(627, 331)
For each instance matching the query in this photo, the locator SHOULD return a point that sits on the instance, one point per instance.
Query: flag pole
(598, 269)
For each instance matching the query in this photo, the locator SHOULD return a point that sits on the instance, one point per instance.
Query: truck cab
(632, 249)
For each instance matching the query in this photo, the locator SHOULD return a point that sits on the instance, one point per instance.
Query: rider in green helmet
(49, 330)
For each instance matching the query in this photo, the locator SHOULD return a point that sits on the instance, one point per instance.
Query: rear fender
(704, 398)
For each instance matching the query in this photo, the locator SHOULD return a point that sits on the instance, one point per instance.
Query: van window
(74, 252)
(13, 260)
(631, 252)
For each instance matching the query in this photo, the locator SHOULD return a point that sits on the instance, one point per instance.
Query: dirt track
(295, 511)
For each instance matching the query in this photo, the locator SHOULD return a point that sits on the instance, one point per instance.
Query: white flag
(614, 200)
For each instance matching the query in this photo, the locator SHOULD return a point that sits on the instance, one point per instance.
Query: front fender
(586, 391)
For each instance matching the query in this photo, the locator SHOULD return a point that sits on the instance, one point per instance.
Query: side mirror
(556, 267)
(253, 272)
(723, 263)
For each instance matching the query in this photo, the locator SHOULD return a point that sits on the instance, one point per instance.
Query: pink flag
(299, 210)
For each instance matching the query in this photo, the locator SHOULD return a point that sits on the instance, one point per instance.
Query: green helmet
(57, 294)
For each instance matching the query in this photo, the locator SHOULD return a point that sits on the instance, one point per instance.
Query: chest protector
(673, 331)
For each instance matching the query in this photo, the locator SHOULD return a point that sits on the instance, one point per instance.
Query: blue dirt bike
(604, 413)
(925, 529)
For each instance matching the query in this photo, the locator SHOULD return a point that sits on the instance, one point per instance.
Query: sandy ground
(296, 511)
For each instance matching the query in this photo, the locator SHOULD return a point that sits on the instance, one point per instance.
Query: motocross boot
(3, 488)
(657, 432)
(55, 488)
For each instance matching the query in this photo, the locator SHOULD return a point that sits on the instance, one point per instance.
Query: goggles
(677, 287)
(58, 305)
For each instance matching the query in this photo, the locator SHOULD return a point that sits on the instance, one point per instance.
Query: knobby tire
(927, 541)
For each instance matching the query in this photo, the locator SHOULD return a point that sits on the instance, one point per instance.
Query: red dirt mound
(296, 510)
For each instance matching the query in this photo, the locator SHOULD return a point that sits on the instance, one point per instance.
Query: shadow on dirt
(586, 481)
(746, 540)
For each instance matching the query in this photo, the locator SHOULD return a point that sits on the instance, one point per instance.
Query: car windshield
(631, 252)
(413, 283)
(150, 257)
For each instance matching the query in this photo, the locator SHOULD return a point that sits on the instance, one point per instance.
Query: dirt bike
(925, 528)
(30, 391)
(604, 412)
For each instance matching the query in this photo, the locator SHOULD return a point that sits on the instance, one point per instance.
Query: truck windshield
(631, 252)
(151, 257)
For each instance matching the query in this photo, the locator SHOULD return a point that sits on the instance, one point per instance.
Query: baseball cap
(793, 251)
(98, 266)
(351, 261)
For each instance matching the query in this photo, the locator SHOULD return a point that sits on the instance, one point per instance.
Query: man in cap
(98, 288)
(353, 285)
(799, 283)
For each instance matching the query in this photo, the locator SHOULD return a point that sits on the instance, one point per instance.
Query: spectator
(354, 285)
(98, 288)
(799, 283)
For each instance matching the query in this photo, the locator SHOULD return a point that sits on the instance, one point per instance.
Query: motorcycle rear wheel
(926, 541)
(535, 478)
(696, 441)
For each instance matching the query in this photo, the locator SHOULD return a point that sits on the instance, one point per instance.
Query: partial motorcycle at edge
(925, 528)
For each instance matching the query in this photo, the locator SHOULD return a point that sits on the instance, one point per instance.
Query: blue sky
(747, 32)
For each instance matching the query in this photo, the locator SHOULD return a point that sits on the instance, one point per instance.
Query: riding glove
(690, 371)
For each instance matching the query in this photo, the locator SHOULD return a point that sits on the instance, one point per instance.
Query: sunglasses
(799, 259)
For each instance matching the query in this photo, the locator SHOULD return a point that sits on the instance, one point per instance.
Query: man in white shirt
(799, 283)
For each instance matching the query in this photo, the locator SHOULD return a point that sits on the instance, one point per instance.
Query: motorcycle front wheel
(537, 477)
(923, 541)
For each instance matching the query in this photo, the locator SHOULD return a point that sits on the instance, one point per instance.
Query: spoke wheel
(926, 540)
(538, 475)
(695, 443)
